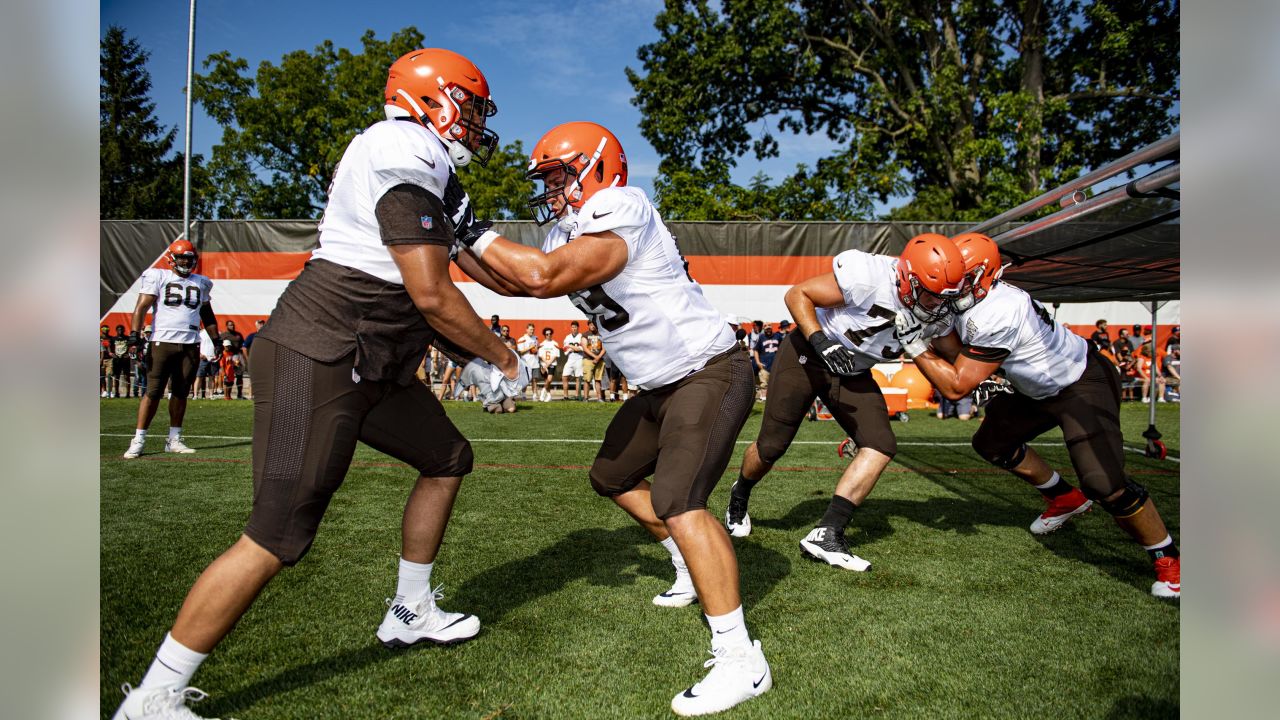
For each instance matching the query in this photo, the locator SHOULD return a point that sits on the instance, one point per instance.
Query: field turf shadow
(1142, 707)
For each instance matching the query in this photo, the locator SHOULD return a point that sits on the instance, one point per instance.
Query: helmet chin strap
(595, 157)
(458, 151)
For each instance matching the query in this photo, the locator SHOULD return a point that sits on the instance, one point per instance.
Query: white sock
(1053, 480)
(729, 630)
(174, 665)
(1168, 540)
(140, 434)
(175, 432)
(676, 558)
(414, 581)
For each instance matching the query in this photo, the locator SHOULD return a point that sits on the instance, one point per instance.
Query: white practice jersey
(387, 154)
(865, 323)
(1040, 356)
(654, 321)
(178, 301)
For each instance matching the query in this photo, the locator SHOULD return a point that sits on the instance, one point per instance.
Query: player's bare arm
(145, 303)
(591, 259)
(210, 322)
(954, 381)
(947, 346)
(477, 271)
(805, 298)
(425, 269)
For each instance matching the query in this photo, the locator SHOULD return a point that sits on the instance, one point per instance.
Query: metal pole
(1155, 365)
(1161, 178)
(186, 164)
(1142, 156)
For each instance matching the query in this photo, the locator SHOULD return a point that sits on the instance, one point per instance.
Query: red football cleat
(1168, 582)
(1060, 510)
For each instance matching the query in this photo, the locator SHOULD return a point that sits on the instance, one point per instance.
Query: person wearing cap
(784, 328)
(1174, 340)
(765, 348)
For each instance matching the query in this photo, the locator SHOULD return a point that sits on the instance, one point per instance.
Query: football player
(181, 298)
(335, 364)
(846, 325)
(1058, 379)
(610, 252)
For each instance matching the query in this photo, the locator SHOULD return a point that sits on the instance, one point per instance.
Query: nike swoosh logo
(428, 162)
(839, 263)
(756, 684)
(455, 622)
(721, 632)
(597, 216)
(689, 693)
(673, 594)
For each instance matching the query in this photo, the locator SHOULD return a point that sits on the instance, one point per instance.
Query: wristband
(483, 243)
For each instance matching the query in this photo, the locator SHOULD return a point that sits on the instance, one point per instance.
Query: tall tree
(139, 175)
(965, 106)
(285, 128)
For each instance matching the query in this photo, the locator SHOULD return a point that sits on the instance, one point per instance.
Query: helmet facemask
(927, 306)
(559, 179)
(183, 263)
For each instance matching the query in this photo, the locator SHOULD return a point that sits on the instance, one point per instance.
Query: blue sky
(547, 63)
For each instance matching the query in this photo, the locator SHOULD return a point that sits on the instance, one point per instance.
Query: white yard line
(596, 441)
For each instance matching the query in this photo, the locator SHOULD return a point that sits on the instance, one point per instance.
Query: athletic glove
(988, 389)
(499, 381)
(835, 356)
(910, 335)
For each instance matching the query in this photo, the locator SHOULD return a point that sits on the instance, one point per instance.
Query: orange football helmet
(590, 158)
(447, 93)
(182, 257)
(982, 267)
(930, 276)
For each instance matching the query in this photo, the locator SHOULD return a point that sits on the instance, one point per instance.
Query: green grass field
(965, 614)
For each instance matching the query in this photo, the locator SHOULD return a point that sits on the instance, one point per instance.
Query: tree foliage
(140, 177)
(966, 107)
(286, 126)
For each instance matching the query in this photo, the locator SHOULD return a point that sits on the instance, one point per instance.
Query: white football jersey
(178, 301)
(1043, 356)
(387, 154)
(865, 323)
(573, 339)
(654, 321)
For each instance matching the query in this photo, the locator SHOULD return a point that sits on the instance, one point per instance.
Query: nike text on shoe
(175, 445)
(736, 519)
(827, 544)
(1168, 582)
(159, 704)
(1060, 510)
(412, 622)
(135, 449)
(737, 674)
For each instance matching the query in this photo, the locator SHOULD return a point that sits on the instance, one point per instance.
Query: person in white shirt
(573, 351)
(181, 298)
(1055, 379)
(335, 365)
(548, 355)
(527, 346)
(610, 252)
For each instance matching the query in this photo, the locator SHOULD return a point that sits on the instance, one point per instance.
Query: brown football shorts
(797, 377)
(1088, 411)
(307, 417)
(682, 434)
(174, 364)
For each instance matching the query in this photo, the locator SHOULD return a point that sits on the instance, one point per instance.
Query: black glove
(988, 389)
(467, 238)
(835, 356)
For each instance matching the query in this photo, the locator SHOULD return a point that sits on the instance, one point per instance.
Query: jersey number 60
(176, 294)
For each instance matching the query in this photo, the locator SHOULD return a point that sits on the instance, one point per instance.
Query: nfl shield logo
(426, 222)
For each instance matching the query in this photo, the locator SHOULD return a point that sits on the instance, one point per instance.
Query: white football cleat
(412, 622)
(827, 544)
(159, 704)
(175, 445)
(681, 594)
(135, 448)
(737, 674)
